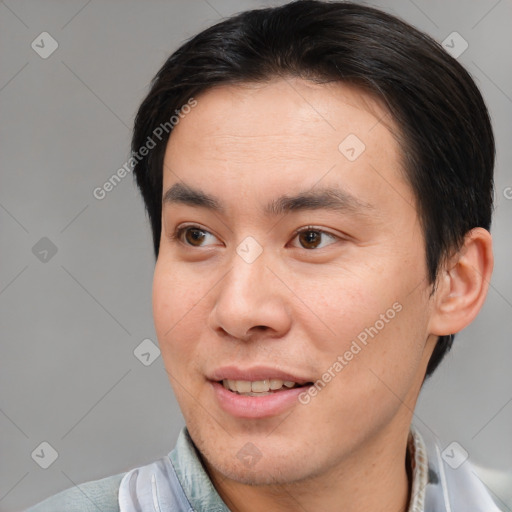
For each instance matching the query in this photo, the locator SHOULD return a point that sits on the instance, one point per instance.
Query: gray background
(70, 324)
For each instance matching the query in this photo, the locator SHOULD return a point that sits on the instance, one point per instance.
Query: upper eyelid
(314, 228)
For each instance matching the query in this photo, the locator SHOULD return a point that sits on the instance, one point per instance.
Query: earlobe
(463, 284)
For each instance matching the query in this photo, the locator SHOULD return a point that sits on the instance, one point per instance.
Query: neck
(374, 478)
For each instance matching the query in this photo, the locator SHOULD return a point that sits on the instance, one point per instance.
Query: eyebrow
(321, 198)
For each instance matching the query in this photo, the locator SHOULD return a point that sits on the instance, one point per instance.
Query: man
(318, 179)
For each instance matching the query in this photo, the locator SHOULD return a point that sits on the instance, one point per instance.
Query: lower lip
(256, 406)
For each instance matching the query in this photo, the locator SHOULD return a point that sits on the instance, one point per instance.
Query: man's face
(240, 296)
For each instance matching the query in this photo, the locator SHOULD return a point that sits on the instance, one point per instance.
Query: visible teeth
(256, 387)
(276, 384)
(243, 386)
(259, 386)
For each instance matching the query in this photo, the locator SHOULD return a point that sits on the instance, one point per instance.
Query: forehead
(275, 103)
(289, 131)
(299, 110)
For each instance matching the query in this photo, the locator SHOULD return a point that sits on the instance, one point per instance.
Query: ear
(462, 284)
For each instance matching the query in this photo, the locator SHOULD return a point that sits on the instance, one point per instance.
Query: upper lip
(255, 373)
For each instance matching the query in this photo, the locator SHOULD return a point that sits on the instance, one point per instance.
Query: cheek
(376, 324)
(342, 303)
(176, 300)
(176, 304)
(164, 310)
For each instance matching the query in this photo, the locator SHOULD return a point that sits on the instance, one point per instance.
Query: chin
(276, 471)
(267, 463)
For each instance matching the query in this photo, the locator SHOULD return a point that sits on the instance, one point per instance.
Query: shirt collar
(419, 470)
(192, 475)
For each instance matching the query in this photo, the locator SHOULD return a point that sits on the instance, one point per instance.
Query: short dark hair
(445, 130)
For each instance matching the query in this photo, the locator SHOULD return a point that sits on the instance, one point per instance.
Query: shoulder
(450, 484)
(87, 497)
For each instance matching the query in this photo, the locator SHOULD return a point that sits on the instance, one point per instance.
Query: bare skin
(304, 300)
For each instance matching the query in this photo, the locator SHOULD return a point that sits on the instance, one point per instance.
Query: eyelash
(176, 236)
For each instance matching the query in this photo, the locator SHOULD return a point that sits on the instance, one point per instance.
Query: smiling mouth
(260, 387)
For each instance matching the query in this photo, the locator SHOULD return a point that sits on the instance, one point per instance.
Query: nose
(251, 302)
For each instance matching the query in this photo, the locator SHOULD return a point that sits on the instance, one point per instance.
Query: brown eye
(314, 238)
(310, 239)
(194, 236)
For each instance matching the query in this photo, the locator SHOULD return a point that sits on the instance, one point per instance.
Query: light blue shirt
(179, 482)
(103, 495)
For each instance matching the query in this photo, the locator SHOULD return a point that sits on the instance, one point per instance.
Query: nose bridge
(248, 283)
(250, 296)
(250, 275)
